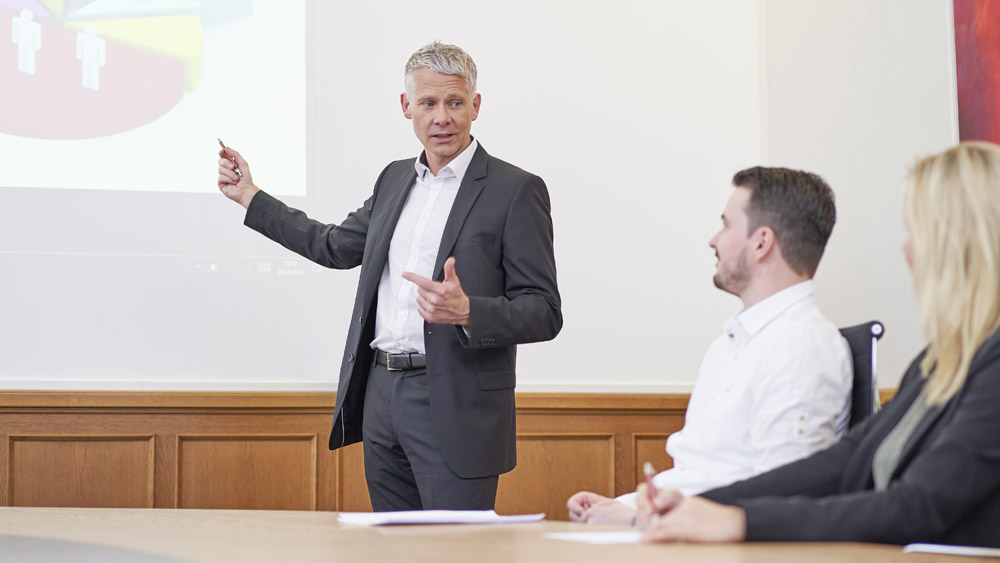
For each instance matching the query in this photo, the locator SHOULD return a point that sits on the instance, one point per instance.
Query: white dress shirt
(414, 248)
(773, 388)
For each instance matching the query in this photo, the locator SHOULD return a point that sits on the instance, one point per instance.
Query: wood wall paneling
(266, 472)
(81, 471)
(551, 467)
(651, 448)
(269, 450)
(352, 492)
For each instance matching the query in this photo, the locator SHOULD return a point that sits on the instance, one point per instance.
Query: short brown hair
(798, 206)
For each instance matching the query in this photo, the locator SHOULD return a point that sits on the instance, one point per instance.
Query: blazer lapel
(468, 193)
(986, 350)
(396, 193)
(923, 427)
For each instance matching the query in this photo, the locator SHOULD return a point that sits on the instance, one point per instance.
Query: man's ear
(476, 101)
(405, 103)
(764, 243)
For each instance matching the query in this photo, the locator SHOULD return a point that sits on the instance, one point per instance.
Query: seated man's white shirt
(773, 388)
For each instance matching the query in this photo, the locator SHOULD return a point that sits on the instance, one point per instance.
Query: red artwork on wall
(977, 52)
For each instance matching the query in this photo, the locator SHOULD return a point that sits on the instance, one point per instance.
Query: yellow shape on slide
(174, 37)
(56, 7)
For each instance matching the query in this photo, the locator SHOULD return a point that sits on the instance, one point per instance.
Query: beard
(734, 279)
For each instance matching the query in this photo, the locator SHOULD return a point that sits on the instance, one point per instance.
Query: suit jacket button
(350, 358)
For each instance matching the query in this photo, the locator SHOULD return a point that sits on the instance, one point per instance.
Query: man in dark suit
(457, 268)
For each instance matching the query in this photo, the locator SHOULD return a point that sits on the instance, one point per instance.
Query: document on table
(599, 538)
(951, 549)
(433, 517)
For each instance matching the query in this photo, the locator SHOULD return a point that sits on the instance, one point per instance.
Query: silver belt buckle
(388, 361)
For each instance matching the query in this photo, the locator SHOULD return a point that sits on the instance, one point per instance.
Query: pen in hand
(231, 158)
(649, 472)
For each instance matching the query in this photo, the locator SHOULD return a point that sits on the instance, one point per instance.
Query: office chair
(863, 341)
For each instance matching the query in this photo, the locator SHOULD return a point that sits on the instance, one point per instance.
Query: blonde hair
(952, 206)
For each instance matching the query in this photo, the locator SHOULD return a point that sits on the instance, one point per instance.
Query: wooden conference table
(169, 535)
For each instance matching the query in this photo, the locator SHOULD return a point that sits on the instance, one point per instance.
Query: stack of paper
(951, 549)
(599, 538)
(433, 517)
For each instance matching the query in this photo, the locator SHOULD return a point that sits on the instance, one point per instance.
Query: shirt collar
(758, 316)
(456, 167)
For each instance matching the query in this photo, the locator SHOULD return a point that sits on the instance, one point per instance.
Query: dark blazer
(946, 488)
(500, 233)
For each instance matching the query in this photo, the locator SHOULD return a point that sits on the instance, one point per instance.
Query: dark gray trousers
(404, 466)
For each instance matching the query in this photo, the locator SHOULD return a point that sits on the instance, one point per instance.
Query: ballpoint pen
(231, 158)
(648, 470)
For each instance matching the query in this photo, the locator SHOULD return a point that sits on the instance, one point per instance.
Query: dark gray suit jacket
(500, 233)
(946, 488)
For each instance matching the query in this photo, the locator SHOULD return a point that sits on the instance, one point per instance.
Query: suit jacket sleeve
(334, 246)
(529, 310)
(951, 473)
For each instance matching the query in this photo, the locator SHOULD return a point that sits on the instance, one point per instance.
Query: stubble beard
(735, 280)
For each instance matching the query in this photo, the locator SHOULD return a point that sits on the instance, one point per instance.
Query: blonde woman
(926, 468)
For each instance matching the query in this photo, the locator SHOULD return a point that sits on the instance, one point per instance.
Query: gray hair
(446, 59)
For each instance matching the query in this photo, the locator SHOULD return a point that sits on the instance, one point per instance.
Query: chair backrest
(863, 340)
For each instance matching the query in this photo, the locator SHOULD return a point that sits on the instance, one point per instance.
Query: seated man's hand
(596, 509)
(579, 503)
(610, 512)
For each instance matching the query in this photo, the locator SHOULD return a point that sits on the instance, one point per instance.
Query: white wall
(636, 114)
(857, 90)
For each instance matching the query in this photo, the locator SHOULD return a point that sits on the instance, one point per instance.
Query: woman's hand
(671, 517)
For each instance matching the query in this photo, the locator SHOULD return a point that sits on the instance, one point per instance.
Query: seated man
(776, 385)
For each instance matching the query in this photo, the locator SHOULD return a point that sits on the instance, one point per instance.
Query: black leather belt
(399, 362)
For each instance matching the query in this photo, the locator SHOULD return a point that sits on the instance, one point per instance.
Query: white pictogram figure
(91, 50)
(28, 37)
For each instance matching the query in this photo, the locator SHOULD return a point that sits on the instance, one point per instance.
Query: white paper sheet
(600, 538)
(433, 517)
(951, 549)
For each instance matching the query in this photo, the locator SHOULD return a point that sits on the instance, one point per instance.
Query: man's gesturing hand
(441, 302)
(240, 189)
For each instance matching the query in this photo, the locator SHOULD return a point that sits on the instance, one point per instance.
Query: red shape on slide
(137, 87)
(977, 54)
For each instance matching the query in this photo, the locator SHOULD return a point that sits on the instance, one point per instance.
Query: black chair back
(863, 340)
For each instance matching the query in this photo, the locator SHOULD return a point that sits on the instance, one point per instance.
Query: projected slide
(62, 96)
(94, 92)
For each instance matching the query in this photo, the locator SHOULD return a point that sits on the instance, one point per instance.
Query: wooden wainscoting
(269, 450)
(572, 442)
(167, 450)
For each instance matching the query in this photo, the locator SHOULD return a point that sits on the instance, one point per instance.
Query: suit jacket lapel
(468, 193)
(396, 193)
(924, 426)
(986, 350)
